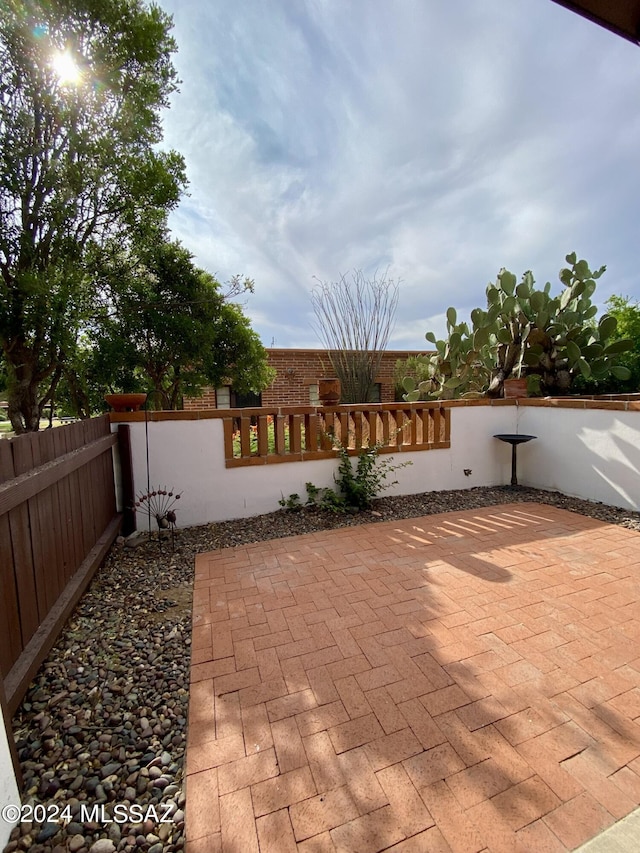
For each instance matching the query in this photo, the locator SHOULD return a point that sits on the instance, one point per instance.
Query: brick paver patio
(461, 682)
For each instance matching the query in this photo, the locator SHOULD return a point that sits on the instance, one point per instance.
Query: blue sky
(441, 140)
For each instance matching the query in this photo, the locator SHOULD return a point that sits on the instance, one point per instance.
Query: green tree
(627, 314)
(79, 165)
(168, 326)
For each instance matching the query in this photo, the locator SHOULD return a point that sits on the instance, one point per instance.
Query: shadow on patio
(463, 682)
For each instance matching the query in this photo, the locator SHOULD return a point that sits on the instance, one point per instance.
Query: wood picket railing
(302, 433)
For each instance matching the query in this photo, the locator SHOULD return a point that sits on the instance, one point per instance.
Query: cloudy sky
(441, 139)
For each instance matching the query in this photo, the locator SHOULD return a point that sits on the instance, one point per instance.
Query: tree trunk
(24, 379)
(24, 408)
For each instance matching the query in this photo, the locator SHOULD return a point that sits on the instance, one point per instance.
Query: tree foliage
(167, 327)
(354, 318)
(627, 315)
(79, 166)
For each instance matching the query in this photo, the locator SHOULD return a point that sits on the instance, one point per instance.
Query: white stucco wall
(587, 453)
(8, 786)
(189, 456)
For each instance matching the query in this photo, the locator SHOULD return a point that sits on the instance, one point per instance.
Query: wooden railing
(302, 433)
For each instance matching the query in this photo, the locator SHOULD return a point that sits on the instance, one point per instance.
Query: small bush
(355, 489)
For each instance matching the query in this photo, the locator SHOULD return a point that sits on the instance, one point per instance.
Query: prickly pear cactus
(524, 331)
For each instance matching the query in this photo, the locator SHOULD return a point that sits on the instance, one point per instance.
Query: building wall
(189, 455)
(298, 371)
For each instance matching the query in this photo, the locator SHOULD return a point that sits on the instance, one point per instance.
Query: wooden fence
(57, 520)
(299, 433)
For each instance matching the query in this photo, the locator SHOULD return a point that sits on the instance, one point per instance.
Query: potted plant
(125, 402)
(329, 391)
(515, 386)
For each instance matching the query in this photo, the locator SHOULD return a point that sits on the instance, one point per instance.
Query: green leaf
(592, 351)
(409, 384)
(507, 281)
(481, 337)
(620, 371)
(509, 305)
(431, 337)
(453, 382)
(571, 259)
(565, 298)
(493, 295)
(581, 270)
(585, 369)
(451, 316)
(493, 313)
(503, 335)
(624, 345)
(478, 317)
(523, 291)
(574, 352)
(607, 326)
(538, 300)
(542, 319)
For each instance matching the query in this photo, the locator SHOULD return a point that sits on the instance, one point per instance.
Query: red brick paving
(467, 682)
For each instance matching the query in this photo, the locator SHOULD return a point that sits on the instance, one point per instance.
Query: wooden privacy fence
(57, 520)
(299, 433)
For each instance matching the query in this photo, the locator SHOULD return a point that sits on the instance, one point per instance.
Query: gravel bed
(101, 732)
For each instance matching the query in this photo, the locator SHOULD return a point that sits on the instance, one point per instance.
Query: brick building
(296, 382)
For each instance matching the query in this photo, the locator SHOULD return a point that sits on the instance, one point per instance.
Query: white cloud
(441, 140)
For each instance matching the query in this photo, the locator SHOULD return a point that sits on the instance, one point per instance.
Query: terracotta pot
(329, 391)
(125, 402)
(515, 388)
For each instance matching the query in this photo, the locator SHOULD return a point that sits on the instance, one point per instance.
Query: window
(376, 393)
(245, 401)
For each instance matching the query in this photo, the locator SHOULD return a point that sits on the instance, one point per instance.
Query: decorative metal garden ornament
(159, 503)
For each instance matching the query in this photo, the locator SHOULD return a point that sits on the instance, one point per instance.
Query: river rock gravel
(101, 731)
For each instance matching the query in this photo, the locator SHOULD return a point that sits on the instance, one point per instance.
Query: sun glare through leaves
(66, 68)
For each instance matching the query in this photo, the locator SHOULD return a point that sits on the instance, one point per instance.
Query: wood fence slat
(328, 431)
(245, 436)
(295, 434)
(54, 514)
(43, 639)
(278, 434)
(32, 482)
(447, 424)
(22, 555)
(71, 554)
(311, 433)
(22, 447)
(227, 425)
(47, 571)
(57, 501)
(75, 507)
(11, 645)
(434, 436)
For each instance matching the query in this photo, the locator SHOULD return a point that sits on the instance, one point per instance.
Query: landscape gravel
(101, 732)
